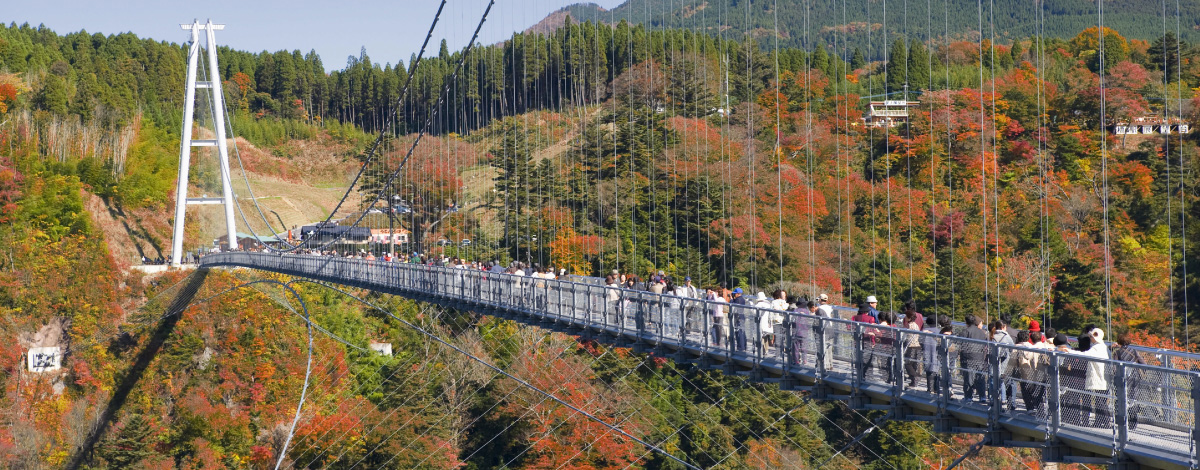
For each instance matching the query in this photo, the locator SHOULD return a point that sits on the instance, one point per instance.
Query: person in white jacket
(766, 327)
(824, 309)
(1091, 344)
(720, 326)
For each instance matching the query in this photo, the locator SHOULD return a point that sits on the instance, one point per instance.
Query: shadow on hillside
(135, 233)
(122, 390)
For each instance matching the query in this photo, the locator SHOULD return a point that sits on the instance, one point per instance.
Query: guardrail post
(944, 380)
(1195, 438)
(786, 347)
(1054, 401)
(819, 334)
(640, 314)
(574, 303)
(604, 305)
(624, 305)
(1120, 408)
(994, 386)
(857, 338)
(659, 325)
(897, 365)
(760, 345)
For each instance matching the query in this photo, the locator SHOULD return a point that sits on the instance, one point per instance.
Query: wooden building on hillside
(890, 113)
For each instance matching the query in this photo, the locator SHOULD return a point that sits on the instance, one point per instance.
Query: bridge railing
(1119, 402)
(1169, 358)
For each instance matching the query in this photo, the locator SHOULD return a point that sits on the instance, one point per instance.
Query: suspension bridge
(826, 358)
(1145, 417)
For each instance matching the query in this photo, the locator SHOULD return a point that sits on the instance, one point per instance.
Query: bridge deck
(1144, 415)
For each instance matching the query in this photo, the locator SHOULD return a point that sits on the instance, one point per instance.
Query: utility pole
(213, 85)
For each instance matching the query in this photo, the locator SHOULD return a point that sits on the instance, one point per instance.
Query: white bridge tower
(213, 85)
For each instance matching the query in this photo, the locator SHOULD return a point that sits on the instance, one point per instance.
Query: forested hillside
(601, 147)
(845, 24)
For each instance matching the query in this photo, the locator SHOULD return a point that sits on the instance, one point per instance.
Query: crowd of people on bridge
(726, 320)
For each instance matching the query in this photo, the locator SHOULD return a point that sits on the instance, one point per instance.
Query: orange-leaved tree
(560, 437)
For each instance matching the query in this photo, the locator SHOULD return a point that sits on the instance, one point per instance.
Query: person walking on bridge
(612, 299)
(823, 307)
(885, 349)
(720, 327)
(913, 352)
(1029, 367)
(973, 361)
(800, 328)
(766, 325)
(1135, 378)
(673, 311)
(873, 303)
(867, 343)
(935, 354)
(999, 334)
(1095, 403)
(825, 310)
(737, 310)
(912, 315)
(689, 293)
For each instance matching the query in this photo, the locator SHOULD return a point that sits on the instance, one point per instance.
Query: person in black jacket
(935, 356)
(1072, 371)
(973, 361)
(1134, 379)
(738, 306)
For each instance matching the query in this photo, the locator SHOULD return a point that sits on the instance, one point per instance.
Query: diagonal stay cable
(479, 389)
(769, 426)
(743, 384)
(424, 129)
(307, 373)
(715, 404)
(149, 304)
(414, 67)
(521, 417)
(550, 431)
(316, 385)
(523, 383)
(388, 415)
(471, 424)
(776, 404)
(395, 370)
(760, 437)
(535, 344)
(308, 367)
(511, 424)
(319, 328)
(528, 409)
(361, 418)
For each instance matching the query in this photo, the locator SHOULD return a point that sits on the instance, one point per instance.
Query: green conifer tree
(918, 66)
(897, 67)
(859, 60)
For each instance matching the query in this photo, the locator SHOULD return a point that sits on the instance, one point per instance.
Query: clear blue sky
(390, 30)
